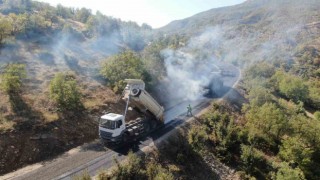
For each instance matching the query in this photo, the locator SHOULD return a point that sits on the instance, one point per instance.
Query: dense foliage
(11, 78)
(137, 168)
(26, 17)
(65, 92)
(126, 65)
(274, 136)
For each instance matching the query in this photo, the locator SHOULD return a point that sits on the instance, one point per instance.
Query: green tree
(131, 170)
(251, 158)
(293, 149)
(157, 172)
(65, 92)
(317, 115)
(314, 92)
(197, 137)
(258, 96)
(267, 122)
(126, 65)
(262, 69)
(294, 88)
(82, 15)
(153, 59)
(286, 172)
(5, 29)
(306, 128)
(19, 22)
(36, 22)
(64, 11)
(12, 76)
(49, 14)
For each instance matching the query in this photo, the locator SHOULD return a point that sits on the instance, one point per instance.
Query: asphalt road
(94, 157)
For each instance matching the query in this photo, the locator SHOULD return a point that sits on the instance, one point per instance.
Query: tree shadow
(73, 64)
(47, 58)
(25, 113)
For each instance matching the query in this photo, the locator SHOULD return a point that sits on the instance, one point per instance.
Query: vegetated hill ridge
(256, 29)
(49, 40)
(279, 13)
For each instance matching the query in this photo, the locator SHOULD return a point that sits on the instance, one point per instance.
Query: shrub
(286, 172)
(83, 176)
(126, 65)
(317, 115)
(130, 170)
(11, 78)
(197, 137)
(253, 160)
(65, 92)
(156, 171)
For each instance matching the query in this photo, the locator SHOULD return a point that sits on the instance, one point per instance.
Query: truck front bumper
(106, 137)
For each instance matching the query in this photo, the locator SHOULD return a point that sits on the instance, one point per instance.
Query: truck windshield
(107, 124)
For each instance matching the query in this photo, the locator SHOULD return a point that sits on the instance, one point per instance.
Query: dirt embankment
(29, 141)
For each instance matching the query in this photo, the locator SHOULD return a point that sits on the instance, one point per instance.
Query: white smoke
(192, 67)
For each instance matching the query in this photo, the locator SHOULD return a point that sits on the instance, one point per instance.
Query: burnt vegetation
(61, 67)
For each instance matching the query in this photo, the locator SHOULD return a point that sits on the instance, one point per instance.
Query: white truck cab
(111, 126)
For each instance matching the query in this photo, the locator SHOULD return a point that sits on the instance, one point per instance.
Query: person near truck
(189, 110)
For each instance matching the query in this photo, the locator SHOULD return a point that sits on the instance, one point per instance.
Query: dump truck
(115, 128)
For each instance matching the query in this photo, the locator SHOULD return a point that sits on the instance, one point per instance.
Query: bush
(286, 172)
(197, 137)
(294, 150)
(290, 86)
(267, 123)
(253, 160)
(83, 176)
(11, 78)
(294, 88)
(64, 91)
(130, 170)
(156, 171)
(126, 65)
(317, 115)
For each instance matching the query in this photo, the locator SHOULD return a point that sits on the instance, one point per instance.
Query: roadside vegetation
(61, 67)
(176, 159)
(126, 65)
(65, 92)
(274, 135)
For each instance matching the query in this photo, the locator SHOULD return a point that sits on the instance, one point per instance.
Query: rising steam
(191, 68)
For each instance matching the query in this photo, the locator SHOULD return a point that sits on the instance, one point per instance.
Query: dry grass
(91, 103)
(50, 116)
(5, 124)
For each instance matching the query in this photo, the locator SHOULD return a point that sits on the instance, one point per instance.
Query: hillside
(49, 40)
(268, 129)
(274, 135)
(256, 30)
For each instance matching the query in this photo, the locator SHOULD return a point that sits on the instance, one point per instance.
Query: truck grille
(104, 134)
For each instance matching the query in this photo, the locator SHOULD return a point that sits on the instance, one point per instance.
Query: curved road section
(94, 157)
